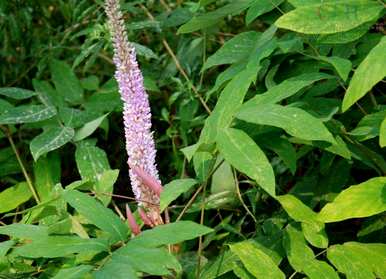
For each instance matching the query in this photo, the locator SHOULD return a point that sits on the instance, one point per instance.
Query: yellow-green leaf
(357, 201)
(326, 18)
(369, 73)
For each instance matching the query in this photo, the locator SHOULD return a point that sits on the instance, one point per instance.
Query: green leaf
(347, 36)
(66, 82)
(24, 231)
(74, 272)
(222, 264)
(59, 246)
(258, 263)
(172, 190)
(47, 172)
(284, 149)
(91, 161)
(260, 7)
(359, 260)
(302, 259)
(16, 93)
(211, 18)
(234, 50)
(97, 214)
(245, 155)
(14, 196)
(154, 261)
(233, 94)
(369, 73)
(5, 246)
(172, 233)
(313, 229)
(341, 65)
(26, 114)
(90, 83)
(50, 140)
(294, 121)
(369, 126)
(104, 186)
(116, 268)
(89, 128)
(382, 134)
(223, 180)
(357, 201)
(286, 89)
(326, 18)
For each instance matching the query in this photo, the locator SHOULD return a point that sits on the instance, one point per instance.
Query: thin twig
(118, 210)
(241, 198)
(23, 169)
(202, 215)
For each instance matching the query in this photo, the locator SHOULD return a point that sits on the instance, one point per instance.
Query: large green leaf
(294, 121)
(359, 260)
(154, 261)
(369, 73)
(73, 272)
(211, 18)
(102, 217)
(14, 196)
(91, 161)
(234, 50)
(221, 265)
(16, 93)
(172, 233)
(172, 190)
(26, 114)
(358, 201)
(258, 263)
(59, 246)
(244, 154)
(66, 82)
(286, 89)
(302, 258)
(49, 140)
(116, 268)
(24, 231)
(326, 18)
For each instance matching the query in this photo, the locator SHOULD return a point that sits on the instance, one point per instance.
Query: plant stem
(23, 169)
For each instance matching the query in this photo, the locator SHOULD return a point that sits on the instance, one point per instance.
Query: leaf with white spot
(91, 161)
(16, 93)
(50, 140)
(26, 114)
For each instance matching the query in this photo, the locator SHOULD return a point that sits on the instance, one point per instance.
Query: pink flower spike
(131, 221)
(148, 180)
(146, 220)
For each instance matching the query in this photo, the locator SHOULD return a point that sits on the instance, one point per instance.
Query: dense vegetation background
(269, 121)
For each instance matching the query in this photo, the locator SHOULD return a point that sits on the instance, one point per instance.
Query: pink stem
(131, 221)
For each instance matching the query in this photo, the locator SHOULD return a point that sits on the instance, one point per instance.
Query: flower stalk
(140, 144)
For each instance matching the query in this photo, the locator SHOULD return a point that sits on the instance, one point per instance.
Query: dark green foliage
(270, 123)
